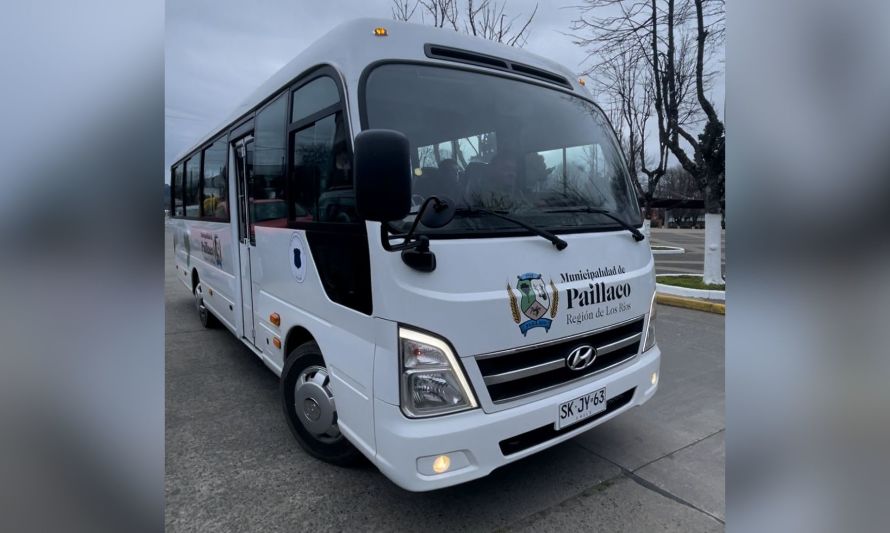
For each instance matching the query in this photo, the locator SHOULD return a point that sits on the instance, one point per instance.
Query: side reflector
(277, 342)
(275, 319)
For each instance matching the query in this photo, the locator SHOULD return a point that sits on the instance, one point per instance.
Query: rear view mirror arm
(387, 233)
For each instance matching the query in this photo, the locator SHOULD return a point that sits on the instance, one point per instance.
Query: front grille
(544, 433)
(517, 373)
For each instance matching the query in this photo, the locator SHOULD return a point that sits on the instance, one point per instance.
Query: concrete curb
(691, 303)
(685, 292)
(668, 250)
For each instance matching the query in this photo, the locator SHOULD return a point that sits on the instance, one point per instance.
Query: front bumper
(402, 443)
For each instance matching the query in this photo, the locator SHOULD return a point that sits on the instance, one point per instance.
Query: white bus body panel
(346, 337)
(207, 248)
(466, 300)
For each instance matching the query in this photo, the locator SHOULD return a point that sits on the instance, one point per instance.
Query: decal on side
(297, 258)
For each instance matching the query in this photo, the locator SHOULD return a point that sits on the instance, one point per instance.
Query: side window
(182, 186)
(321, 172)
(313, 97)
(268, 206)
(178, 191)
(214, 195)
(321, 191)
(192, 187)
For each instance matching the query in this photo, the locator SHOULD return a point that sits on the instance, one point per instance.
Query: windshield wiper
(557, 242)
(586, 209)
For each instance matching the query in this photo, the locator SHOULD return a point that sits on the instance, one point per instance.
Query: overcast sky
(219, 51)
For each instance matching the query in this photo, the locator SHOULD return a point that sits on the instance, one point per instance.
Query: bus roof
(352, 46)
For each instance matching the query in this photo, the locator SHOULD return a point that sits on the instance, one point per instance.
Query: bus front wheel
(310, 408)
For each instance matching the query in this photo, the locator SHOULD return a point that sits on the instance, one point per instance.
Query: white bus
(433, 240)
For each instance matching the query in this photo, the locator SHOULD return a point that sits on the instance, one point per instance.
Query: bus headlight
(650, 330)
(432, 382)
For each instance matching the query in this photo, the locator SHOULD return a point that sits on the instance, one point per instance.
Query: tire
(310, 408)
(207, 319)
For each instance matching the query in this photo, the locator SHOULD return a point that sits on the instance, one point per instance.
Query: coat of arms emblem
(536, 300)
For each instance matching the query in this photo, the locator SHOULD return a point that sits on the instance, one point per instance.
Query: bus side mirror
(382, 175)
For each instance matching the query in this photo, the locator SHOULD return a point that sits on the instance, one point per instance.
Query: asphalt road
(232, 465)
(693, 241)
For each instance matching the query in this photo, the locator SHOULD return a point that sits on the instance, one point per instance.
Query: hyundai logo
(581, 357)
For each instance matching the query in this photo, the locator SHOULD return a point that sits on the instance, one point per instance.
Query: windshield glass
(494, 143)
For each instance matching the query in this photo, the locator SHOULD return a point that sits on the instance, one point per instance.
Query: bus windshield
(494, 143)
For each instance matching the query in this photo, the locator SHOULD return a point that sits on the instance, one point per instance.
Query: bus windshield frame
(486, 140)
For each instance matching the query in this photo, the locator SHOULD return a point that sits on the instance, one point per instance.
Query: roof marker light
(380, 32)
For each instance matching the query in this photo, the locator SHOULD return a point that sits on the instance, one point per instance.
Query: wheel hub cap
(314, 403)
(199, 299)
(311, 409)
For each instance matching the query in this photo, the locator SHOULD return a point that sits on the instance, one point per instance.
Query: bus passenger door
(244, 150)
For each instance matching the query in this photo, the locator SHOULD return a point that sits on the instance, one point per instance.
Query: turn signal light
(275, 319)
(277, 342)
(582, 82)
(380, 32)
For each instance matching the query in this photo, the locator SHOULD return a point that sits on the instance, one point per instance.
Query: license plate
(574, 411)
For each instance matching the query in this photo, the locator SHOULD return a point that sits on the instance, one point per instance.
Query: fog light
(654, 378)
(441, 464)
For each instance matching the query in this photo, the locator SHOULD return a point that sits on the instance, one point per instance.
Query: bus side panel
(181, 255)
(345, 336)
(213, 254)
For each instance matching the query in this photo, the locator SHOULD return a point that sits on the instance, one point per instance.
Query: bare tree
(437, 13)
(680, 184)
(404, 10)
(707, 165)
(676, 39)
(486, 18)
(628, 89)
